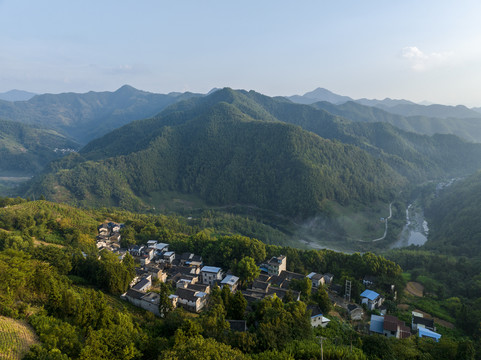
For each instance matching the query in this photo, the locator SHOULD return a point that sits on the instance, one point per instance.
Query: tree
(237, 306)
(247, 270)
(322, 299)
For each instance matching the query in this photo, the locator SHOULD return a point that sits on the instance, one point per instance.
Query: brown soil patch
(40, 242)
(403, 307)
(414, 288)
(334, 313)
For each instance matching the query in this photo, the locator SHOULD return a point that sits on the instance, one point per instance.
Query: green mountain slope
(238, 147)
(26, 150)
(466, 128)
(84, 117)
(224, 156)
(455, 226)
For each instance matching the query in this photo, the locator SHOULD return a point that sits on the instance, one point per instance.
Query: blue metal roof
(371, 295)
(377, 324)
(211, 269)
(423, 332)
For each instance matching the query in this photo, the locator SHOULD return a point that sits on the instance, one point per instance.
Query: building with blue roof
(423, 332)
(371, 298)
(377, 324)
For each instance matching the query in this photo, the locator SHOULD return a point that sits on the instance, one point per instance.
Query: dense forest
(27, 150)
(69, 297)
(237, 147)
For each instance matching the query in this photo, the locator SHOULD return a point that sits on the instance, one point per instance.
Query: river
(415, 231)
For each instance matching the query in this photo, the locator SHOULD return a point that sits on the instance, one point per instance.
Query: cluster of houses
(391, 326)
(109, 237)
(192, 279)
(193, 282)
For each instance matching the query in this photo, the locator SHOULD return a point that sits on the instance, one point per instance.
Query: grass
(16, 338)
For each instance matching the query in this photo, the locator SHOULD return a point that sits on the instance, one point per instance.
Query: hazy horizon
(425, 51)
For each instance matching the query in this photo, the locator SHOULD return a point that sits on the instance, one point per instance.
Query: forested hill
(26, 150)
(225, 156)
(238, 147)
(468, 128)
(453, 216)
(84, 117)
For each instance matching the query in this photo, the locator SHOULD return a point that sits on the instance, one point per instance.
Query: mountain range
(83, 117)
(238, 147)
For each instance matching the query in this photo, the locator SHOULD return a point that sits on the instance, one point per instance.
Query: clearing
(414, 288)
(16, 337)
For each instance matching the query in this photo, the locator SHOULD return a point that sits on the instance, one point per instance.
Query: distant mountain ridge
(84, 117)
(16, 95)
(468, 129)
(394, 106)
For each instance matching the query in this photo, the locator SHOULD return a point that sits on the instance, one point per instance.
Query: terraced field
(16, 337)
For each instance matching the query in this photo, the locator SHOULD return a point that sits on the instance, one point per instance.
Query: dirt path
(414, 288)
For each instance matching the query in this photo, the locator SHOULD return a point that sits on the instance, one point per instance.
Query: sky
(415, 50)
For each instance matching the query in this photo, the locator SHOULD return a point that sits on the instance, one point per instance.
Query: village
(193, 281)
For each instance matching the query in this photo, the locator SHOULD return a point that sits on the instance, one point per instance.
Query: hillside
(238, 147)
(225, 157)
(84, 117)
(466, 128)
(26, 150)
(453, 214)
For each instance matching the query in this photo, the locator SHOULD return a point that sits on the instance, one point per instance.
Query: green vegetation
(25, 150)
(86, 116)
(82, 320)
(466, 125)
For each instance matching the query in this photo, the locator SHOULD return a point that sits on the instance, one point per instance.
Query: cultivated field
(16, 337)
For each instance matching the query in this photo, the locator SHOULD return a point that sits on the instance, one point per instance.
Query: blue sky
(417, 50)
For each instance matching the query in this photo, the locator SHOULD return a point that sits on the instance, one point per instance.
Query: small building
(371, 298)
(260, 286)
(422, 332)
(317, 319)
(151, 244)
(328, 278)
(389, 326)
(316, 279)
(148, 301)
(211, 274)
(161, 248)
(191, 300)
(169, 256)
(144, 284)
(355, 312)
(276, 265)
(231, 281)
(419, 321)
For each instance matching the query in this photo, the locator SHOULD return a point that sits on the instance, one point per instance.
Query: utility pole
(322, 352)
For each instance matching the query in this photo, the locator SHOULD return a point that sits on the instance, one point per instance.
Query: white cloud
(421, 61)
